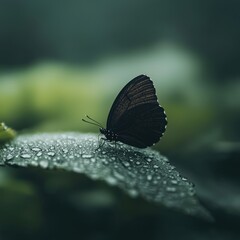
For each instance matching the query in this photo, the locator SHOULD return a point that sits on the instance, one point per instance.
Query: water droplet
(165, 159)
(174, 181)
(149, 177)
(34, 163)
(25, 155)
(118, 175)
(43, 163)
(86, 156)
(36, 149)
(126, 164)
(65, 150)
(93, 160)
(171, 189)
(115, 166)
(133, 192)
(9, 157)
(155, 166)
(155, 182)
(138, 163)
(39, 154)
(105, 161)
(52, 154)
(111, 180)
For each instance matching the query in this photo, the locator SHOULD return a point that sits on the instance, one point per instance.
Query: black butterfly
(135, 117)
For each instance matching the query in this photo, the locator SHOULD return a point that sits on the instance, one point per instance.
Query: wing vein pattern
(136, 116)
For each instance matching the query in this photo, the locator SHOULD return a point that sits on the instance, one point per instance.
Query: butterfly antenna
(99, 124)
(91, 123)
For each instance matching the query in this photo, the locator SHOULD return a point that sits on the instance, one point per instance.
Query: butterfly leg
(101, 143)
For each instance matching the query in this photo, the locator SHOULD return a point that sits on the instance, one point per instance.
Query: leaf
(6, 133)
(141, 172)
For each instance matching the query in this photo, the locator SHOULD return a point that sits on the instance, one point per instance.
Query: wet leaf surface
(142, 172)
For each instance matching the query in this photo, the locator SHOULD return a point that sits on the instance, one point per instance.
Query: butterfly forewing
(138, 91)
(136, 116)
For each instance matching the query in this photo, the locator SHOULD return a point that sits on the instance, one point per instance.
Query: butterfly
(135, 118)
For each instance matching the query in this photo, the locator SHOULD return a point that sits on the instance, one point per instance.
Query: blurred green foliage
(6, 133)
(54, 97)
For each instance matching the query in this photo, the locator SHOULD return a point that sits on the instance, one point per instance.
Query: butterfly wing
(136, 116)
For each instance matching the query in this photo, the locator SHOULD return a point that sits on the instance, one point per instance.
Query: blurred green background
(60, 60)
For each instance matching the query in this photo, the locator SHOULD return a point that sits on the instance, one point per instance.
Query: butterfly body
(135, 118)
(110, 135)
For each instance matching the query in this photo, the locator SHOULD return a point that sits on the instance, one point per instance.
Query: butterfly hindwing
(142, 126)
(136, 116)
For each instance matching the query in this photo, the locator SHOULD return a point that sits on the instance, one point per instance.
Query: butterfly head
(103, 131)
(110, 135)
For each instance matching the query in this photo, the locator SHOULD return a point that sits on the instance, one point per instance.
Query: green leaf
(6, 133)
(142, 172)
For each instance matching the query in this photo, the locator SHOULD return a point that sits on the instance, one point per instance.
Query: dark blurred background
(60, 60)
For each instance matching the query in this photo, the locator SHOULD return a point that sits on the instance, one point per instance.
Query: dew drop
(174, 181)
(25, 155)
(9, 157)
(51, 154)
(133, 192)
(65, 150)
(111, 180)
(39, 154)
(43, 163)
(149, 177)
(36, 149)
(105, 161)
(34, 163)
(171, 189)
(155, 182)
(118, 175)
(86, 156)
(126, 164)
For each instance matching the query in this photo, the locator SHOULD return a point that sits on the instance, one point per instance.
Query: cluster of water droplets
(139, 172)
